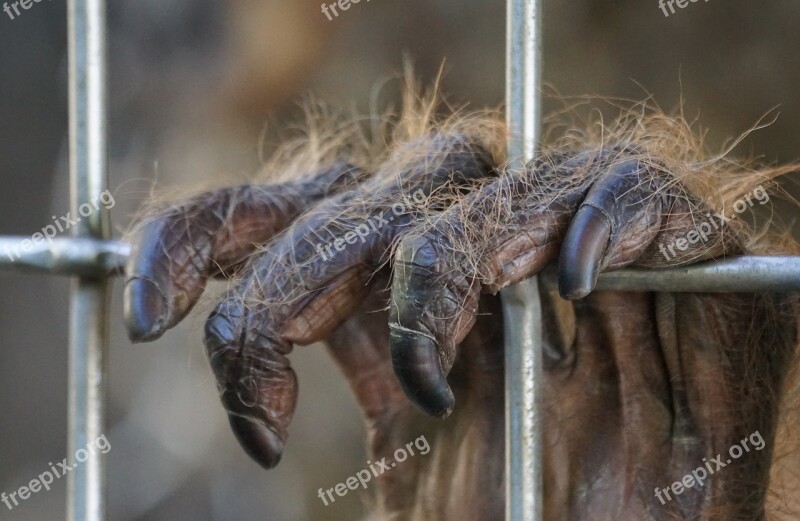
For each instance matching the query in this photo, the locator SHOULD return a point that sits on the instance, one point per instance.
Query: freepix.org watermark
(343, 5)
(664, 4)
(364, 476)
(25, 4)
(702, 231)
(99, 446)
(699, 475)
(60, 225)
(372, 225)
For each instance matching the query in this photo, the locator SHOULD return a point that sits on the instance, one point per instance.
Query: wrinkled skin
(639, 388)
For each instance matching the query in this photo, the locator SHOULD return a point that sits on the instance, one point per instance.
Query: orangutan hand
(444, 227)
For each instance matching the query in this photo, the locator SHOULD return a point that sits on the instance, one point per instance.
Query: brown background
(193, 83)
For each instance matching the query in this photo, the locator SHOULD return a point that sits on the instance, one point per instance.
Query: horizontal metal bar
(736, 275)
(63, 256)
(80, 256)
(771, 274)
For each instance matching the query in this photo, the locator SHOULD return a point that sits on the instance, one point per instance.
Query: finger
(174, 253)
(496, 236)
(308, 280)
(419, 302)
(624, 199)
(629, 213)
(253, 386)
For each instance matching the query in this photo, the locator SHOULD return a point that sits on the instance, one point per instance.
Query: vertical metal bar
(521, 304)
(88, 326)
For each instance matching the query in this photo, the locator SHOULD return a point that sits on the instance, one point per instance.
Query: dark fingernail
(257, 440)
(145, 310)
(582, 252)
(415, 358)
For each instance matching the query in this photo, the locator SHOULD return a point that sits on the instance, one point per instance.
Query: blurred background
(195, 85)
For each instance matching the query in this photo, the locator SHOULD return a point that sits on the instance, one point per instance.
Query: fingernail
(582, 252)
(145, 310)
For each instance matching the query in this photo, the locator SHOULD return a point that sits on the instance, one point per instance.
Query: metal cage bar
(521, 304)
(770, 273)
(91, 258)
(88, 335)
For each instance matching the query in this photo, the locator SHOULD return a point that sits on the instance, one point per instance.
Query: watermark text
(57, 471)
(373, 470)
